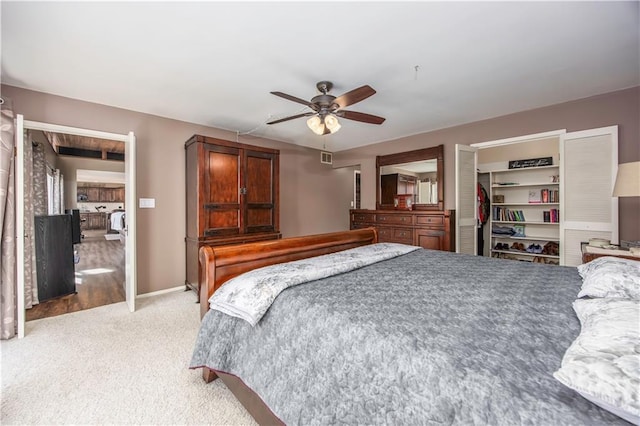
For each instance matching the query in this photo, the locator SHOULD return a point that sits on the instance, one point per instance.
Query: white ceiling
(214, 63)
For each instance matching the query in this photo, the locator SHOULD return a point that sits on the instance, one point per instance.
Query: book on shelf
(551, 216)
(535, 196)
(544, 195)
(508, 215)
(548, 195)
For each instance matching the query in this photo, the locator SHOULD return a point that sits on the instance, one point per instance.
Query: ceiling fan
(327, 108)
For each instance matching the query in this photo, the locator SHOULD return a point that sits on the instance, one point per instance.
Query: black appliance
(54, 256)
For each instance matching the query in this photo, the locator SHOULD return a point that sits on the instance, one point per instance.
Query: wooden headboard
(219, 264)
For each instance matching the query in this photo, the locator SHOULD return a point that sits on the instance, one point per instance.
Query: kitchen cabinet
(91, 220)
(100, 194)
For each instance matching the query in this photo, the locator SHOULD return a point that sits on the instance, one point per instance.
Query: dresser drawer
(395, 235)
(363, 217)
(429, 220)
(395, 219)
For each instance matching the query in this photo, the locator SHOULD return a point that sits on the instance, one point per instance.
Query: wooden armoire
(232, 197)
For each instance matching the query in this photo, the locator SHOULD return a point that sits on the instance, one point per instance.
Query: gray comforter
(425, 338)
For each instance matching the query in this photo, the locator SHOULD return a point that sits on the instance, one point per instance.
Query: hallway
(100, 279)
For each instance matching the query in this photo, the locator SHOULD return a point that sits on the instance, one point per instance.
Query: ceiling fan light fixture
(327, 108)
(332, 123)
(316, 125)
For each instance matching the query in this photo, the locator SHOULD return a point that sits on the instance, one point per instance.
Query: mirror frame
(436, 152)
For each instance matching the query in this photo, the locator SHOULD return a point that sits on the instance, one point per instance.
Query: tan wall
(306, 186)
(314, 197)
(620, 108)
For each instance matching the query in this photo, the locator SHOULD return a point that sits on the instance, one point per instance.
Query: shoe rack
(527, 201)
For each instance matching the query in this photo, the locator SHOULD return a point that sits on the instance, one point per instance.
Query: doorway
(94, 194)
(128, 233)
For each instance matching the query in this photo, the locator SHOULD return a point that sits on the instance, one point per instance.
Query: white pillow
(603, 363)
(610, 277)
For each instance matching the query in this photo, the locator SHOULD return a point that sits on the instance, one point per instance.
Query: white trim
(19, 182)
(593, 132)
(355, 198)
(519, 139)
(56, 128)
(128, 138)
(588, 226)
(159, 292)
(130, 265)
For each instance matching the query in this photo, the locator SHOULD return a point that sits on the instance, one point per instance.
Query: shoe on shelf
(534, 248)
(518, 246)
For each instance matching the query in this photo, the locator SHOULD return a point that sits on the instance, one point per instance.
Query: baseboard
(159, 292)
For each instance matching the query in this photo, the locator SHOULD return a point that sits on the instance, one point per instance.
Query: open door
(588, 166)
(466, 199)
(19, 182)
(130, 221)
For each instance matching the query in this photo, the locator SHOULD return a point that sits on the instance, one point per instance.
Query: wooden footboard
(219, 264)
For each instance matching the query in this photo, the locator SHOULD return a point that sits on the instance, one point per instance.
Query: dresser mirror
(414, 175)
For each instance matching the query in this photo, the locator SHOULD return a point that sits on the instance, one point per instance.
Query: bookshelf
(526, 202)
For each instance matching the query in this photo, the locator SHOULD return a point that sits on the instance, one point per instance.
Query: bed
(424, 337)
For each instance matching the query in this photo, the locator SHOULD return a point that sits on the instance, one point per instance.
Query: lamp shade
(332, 123)
(323, 125)
(316, 125)
(628, 180)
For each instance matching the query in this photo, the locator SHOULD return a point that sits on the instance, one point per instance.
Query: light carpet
(109, 366)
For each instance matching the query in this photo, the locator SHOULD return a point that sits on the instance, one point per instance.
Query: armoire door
(259, 192)
(221, 198)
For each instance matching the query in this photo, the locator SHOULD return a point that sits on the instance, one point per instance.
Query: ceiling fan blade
(354, 96)
(294, 99)
(305, 114)
(360, 116)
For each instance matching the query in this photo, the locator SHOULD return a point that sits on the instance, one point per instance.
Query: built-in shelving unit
(527, 202)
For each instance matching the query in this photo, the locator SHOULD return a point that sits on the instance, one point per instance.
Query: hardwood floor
(99, 279)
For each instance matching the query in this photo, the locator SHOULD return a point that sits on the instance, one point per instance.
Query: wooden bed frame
(219, 264)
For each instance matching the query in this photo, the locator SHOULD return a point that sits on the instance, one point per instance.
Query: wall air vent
(326, 157)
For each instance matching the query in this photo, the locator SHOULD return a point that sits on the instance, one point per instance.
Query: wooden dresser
(232, 197)
(428, 229)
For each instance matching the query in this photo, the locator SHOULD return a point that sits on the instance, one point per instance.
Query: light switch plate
(147, 203)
